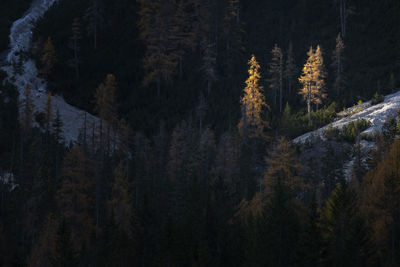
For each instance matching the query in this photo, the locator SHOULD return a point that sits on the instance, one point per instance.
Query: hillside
(199, 133)
(376, 115)
(73, 119)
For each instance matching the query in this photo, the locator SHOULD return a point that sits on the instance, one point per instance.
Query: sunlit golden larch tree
(313, 79)
(252, 123)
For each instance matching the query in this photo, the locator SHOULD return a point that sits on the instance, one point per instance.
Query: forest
(191, 162)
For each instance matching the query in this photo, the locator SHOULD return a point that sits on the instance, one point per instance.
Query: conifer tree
(156, 26)
(233, 36)
(75, 38)
(209, 64)
(73, 198)
(290, 69)
(276, 75)
(201, 111)
(278, 229)
(380, 202)
(27, 107)
(283, 165)
(48, 58)
(66, 251)
(183, 32)
(94, 14)
(226, 162)
(344, 232)
(252, 123)
(312, 79)
(106, 107)
(48, 113)
(120, 204)
(57, 128)
(44, 249)
(337, 64)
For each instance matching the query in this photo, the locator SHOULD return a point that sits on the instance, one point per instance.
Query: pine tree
(286, 120)
(277, 229)
(312, 79)
(252, 123)
(379, 203)
(209, 64)
(283, 165)
(337, 64)
(27, 108)
(73, 198)
(226, 162)
(201, 111)
(276, 75)
(94, 14)
(156, 30)
(106, 107)
(44, 249)
(233, 35)
(48, 58)
(57, 128)
(66, 252)
(344, 232)
(290, 70)
(183, 32)
(75, 38)
(120, 204)
(48, 113)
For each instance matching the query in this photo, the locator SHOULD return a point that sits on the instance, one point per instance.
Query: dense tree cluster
(190, 163)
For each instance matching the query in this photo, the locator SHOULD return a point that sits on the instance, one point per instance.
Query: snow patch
(21, 41)
(376, 115)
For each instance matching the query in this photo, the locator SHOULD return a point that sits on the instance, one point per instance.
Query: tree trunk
(158, 85)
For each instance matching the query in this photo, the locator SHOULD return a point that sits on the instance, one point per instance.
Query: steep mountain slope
(20, 43)
(376, 115)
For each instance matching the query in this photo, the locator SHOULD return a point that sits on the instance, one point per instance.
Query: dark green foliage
(391, 128)
(352, 130)
(273, 235)
(295, 124)
(377, 98)
(346, 239)
(331, 133)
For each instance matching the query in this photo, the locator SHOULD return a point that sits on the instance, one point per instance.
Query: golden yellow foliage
(252, 123)
(312, 79)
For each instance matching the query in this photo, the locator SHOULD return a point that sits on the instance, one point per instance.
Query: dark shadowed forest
(191, 162)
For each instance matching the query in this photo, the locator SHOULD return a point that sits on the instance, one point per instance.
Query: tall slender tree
(290, 69)
(337, 64)
(313, 79)
(276, 75)
(252, 123)
(75, 38)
